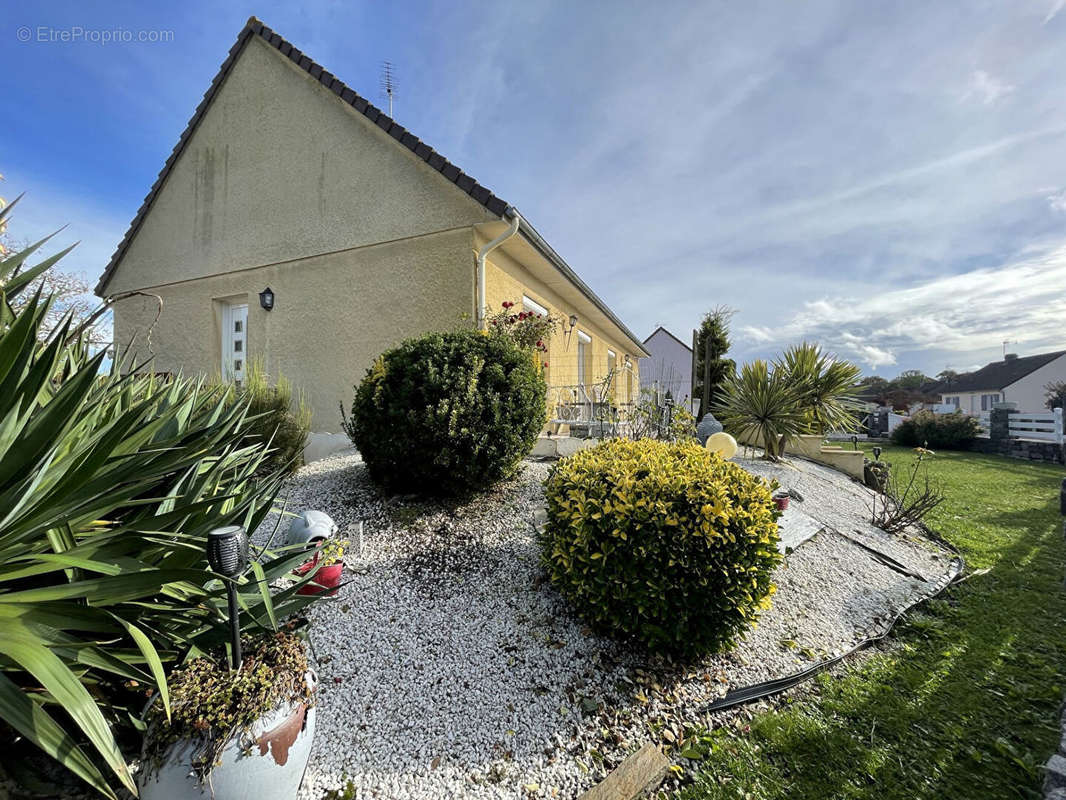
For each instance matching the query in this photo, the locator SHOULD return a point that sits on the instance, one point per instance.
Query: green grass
(963, 702)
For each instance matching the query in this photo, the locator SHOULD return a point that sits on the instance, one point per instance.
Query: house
(1016, 380)
(285, 179)
(668, 366)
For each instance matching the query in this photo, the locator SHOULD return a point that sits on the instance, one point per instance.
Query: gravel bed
(448, 668)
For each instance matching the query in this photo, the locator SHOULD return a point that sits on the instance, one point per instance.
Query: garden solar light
(877, 454)
(227, 553)
(309, 527)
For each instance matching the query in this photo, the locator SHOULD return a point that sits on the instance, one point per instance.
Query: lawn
(963, 700)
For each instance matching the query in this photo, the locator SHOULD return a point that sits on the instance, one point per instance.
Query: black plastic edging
(765, 689)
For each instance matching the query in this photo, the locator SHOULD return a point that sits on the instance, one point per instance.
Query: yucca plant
(762, 406)
(108, 487)
(824, 383)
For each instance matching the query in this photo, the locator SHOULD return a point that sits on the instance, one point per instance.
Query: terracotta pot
(781, 501)
(325, 581)
(271, 769)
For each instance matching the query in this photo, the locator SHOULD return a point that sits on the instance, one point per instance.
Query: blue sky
(886, 178)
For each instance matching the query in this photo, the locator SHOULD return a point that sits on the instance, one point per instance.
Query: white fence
(1042, 426)
(984, 418)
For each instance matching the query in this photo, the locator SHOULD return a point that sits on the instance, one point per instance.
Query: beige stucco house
(287, 179)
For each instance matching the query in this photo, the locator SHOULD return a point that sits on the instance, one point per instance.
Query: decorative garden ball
(723, 444)
(311, 526)
(708, 426)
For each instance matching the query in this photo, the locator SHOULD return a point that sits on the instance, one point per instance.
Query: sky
(887, 179)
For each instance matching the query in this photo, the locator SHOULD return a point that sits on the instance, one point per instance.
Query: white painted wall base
(560, 446)
(320, 445)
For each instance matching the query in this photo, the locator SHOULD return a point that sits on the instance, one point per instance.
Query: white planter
(271, 769)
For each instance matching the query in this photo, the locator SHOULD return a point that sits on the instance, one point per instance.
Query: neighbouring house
(668, 366)
(1017, 380)
(285, 179)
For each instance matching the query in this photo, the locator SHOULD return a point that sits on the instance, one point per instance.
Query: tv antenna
(388, 82)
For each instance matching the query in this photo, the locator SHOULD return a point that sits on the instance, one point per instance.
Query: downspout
(483, 253)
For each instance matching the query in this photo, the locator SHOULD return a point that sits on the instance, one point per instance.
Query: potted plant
(233, 734)
(781, 498)
(327, 566)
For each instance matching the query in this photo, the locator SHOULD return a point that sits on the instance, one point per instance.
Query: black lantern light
(266, 298)
(877, 454)
(227, 553)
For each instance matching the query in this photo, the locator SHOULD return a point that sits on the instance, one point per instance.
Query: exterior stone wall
(1048, 452)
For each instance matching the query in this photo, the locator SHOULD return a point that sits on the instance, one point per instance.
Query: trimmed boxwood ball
(662, 542)
(448, 413)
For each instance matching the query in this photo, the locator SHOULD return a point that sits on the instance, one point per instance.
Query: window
(612, 365)
(988, 400)
(234, 341)
(954, 401)
(584, 358)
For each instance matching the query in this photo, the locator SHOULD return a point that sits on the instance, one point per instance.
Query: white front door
(234, 342)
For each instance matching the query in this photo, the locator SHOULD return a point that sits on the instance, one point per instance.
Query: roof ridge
(255, 27)
(669, 333)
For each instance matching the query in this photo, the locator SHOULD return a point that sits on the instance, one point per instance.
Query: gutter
(545, 249)
(483, 253)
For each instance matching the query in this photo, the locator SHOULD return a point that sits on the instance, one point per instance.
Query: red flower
(507, 304)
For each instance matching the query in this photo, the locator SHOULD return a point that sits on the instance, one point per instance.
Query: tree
(947, 376)
(71, 295)
(1056, 395)
(912, 379)
(712, 368)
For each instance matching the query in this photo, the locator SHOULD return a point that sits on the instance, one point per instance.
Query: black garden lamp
(877, 454)
(266, 298)
(227, 553)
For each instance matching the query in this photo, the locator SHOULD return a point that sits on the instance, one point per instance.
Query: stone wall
(1048, 452)
(1000, 443)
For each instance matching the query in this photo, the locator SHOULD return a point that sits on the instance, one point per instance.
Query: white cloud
(966, 313)
(1057, 200)
(1056, 7)
(986, 88)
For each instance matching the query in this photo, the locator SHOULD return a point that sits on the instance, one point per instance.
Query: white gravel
(448, 668)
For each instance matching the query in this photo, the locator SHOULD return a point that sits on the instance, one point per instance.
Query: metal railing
(577, 403)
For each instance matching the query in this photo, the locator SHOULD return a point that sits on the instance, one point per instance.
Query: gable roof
(496, 205)
(999, 374)
(664, 330)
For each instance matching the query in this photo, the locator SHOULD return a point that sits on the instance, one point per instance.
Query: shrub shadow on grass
(962, 704)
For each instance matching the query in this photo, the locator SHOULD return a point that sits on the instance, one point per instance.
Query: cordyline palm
(760, 406)
(108, 487)
(824, 383)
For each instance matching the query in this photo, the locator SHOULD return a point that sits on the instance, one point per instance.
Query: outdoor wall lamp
(266, 298)
(573, 321)
(629, 361)
(227, 553)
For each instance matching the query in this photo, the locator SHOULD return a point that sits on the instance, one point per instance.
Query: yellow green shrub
(662, 542)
